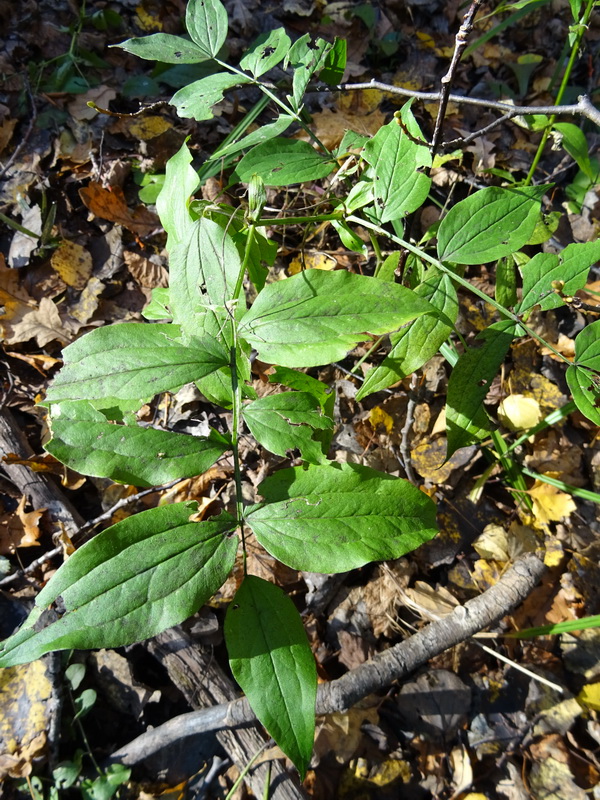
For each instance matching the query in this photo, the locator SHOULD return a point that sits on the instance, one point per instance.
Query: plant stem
(457, 279)
(16, 227)
(581, 29)
(247, 251)
(299, 220)
(286, 109)
(235, 435)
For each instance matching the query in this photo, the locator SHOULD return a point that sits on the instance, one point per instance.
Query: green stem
(372, 349)
(582, 27)
(236, 424)
(378, 253)
(299, 220)
(552, 419)
(247, 251)
(285, 108)
(16, 227)
(584, 494)
(458, 279)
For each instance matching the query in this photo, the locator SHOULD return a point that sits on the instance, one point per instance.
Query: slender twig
(404, 442)
(583, 107)
(446, 81)
(377, 674)
(464, 140)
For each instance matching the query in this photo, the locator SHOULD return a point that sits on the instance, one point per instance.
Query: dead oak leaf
(110, 204)
(42, 324)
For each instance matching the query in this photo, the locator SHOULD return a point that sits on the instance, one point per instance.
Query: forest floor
(468, 725)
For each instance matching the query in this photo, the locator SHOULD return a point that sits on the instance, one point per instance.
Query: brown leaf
(110, 204)
(19, 529)
(144, 271)
(42, 324)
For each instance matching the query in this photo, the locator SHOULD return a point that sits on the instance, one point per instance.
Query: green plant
(155, 569)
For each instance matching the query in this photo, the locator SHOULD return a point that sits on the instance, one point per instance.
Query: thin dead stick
(410, 418)
(377, 674)
(583, 107)
(459, 47)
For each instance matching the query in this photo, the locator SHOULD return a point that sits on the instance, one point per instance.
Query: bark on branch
(375, 675)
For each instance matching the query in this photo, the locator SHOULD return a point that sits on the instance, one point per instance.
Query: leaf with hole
(166, 48)
(266, 52)
(207, 24)
(197, 99)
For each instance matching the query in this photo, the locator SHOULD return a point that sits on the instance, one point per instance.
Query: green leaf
(470, 380)
(206, 22)
(414, 346)
(272, 661)
(289, 420)
(197, 99)
(582, 376)
(204, 269)
(349, 238)
(281, 162)
(490, 224)
(399, 186)
(307, 56)
(574, 142)
(585, 388)
(316, 317)
(132, 361)
(571, 267)
(84, 440)
(266, 52)
(157, 308)
(172, 204)
(166, 48)
(506, 282)
(335, 63)
(130, 582)
(260, 135)
(338, 517)
(302, 382)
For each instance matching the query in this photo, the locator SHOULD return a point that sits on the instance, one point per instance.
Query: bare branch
(583, 107)
(375, 675)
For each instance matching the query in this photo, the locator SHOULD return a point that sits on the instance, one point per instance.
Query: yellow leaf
(379, 417)
(147, 128)
(518, 412)
(73, 263)
(590, 696)
(311, 261)
(550, 504)
(492, 543)
(147, 21)
(554, 552)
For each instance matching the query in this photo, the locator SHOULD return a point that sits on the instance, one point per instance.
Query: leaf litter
(89, 168)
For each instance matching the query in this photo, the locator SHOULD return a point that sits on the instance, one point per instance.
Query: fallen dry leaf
(73, 263)
(550, 504)
(19, 528)
(42, 324)
(110, 204)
